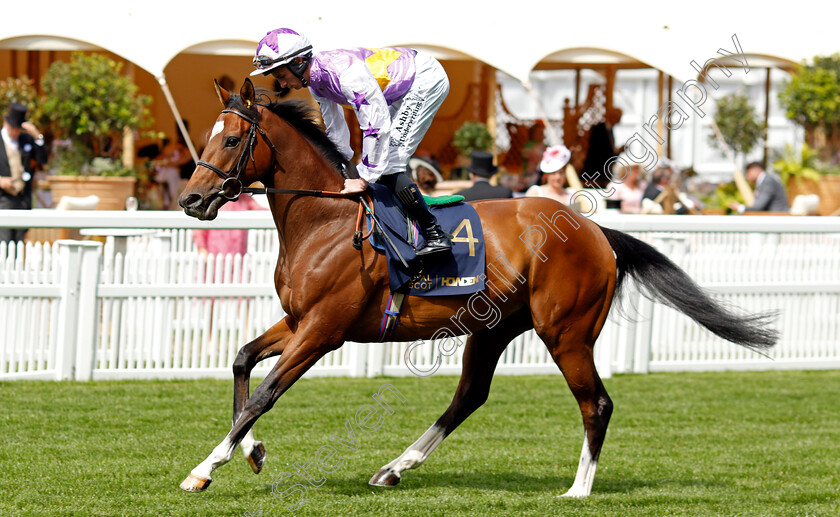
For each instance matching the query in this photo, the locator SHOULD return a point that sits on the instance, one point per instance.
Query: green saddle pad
(443, 200)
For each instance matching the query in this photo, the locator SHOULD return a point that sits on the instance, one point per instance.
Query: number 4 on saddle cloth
(441, 274)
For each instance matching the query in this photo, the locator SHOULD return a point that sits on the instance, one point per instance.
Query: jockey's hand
(354, 186)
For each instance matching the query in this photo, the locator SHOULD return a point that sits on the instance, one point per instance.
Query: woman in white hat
(553, 169)
(425, 175)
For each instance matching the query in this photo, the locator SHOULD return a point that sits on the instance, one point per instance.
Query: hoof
(195, 484)
(385, 477)
(257, 457)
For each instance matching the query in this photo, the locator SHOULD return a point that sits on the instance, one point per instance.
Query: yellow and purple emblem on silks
(393, 69)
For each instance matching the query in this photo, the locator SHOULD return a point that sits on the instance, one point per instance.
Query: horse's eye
(232, 141)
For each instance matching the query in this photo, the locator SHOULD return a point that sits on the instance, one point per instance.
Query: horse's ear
(223, 94)
(247, 92)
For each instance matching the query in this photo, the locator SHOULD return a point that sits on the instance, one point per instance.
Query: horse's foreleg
(270, 344)
(299, 355)
(481, 354)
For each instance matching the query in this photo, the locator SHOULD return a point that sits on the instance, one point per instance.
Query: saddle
(456, 273)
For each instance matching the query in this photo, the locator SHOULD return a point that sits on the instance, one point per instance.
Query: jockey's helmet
(280, 47)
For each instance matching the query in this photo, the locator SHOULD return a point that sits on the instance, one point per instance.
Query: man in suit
(481, 170)
(22, 144)
(658, 181)
(770, 195)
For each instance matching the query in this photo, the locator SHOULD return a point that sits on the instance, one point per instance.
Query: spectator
(662, 195)
(531, 157)
(629, 190)
(770, 194)
(23, 144)
(173, 166)
(552, 170)
(425, 175)
(226, 241)
(481, 169)
(660, 178)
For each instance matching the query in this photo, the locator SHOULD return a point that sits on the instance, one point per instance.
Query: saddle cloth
(443, 274)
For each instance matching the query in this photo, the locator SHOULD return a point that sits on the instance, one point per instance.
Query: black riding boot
(415, 206)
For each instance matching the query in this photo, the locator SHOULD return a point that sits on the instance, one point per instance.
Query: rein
(232, 186)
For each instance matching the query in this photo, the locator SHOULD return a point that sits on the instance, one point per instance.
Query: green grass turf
(764, 443)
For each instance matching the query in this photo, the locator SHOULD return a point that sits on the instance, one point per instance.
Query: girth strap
(392, 315)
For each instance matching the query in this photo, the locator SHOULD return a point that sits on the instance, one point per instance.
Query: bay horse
(332, 293)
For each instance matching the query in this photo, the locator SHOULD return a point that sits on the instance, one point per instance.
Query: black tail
(662, 280)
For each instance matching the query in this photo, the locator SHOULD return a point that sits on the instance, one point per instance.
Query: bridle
(232, 186)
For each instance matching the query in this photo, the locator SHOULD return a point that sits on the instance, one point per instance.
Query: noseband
(232, 187)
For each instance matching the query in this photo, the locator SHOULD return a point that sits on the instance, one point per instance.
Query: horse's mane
(302, 117)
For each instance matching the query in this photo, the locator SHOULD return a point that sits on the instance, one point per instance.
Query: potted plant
(22, 90)
(804, 173)
(93, 109)
(472, 136)
(738, 130)
(718, 201)
(812, 100)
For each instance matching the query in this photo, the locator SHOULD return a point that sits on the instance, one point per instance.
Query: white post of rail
(357, 359)
(644, 343)
(376, 358)
(65, 352)
(88, 318)
(604, 350)
(70, 258)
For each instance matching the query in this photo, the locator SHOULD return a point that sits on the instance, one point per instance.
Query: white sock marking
(220, 455)
(417, 453)
(585, 476)
(248, 442)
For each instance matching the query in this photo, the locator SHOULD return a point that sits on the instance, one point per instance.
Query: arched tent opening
(190, 75)
(567, 93)
(470, 99)
(32, 55)
(764, 77)
(571, 90)
(183, 88)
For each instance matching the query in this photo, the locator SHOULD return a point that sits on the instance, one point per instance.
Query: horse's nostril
(190, 200)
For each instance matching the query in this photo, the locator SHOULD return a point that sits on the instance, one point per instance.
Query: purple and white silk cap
(278, 48)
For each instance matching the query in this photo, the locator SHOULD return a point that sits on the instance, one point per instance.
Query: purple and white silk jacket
(369, 80)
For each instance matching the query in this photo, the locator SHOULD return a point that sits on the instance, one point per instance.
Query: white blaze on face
(217, 128)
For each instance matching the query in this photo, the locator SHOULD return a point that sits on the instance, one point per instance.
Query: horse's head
(233, 157)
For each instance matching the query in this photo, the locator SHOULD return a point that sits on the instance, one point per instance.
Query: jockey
(395, 93)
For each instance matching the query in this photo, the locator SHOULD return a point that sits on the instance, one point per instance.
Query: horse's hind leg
(595, 407)
(270, 344)
(572, 351)
(481, 354)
